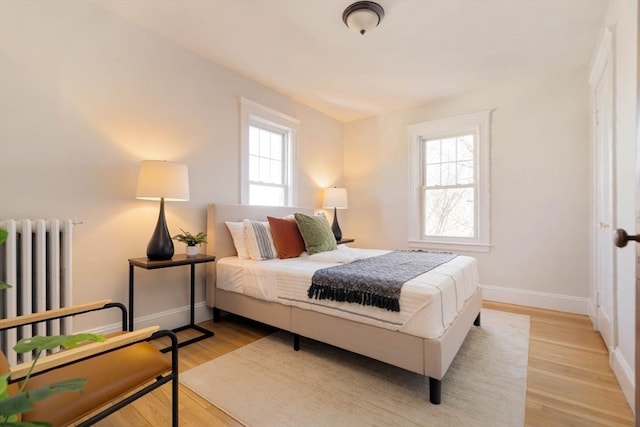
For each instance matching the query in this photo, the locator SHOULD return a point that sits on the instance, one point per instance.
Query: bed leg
(296, 342)
(435, 391)
(216, 315)
(477, 321)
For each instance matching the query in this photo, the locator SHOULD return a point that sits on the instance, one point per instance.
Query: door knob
(621, 238)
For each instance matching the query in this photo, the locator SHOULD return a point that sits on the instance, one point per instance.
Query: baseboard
(591, 306)
(169, 319)
(624, 375)
(558, 302)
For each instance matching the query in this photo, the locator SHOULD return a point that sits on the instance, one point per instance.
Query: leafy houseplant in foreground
(12, 406)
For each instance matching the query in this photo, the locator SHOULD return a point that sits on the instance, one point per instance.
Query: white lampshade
(335, 198)
(159, 178)
(363, 16)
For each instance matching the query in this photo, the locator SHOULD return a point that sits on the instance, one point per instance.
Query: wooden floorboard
(569, 382)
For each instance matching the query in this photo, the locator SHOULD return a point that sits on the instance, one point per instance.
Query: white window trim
(252, 112)
(479, 124)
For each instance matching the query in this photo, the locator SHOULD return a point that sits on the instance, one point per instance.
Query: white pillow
(237, 234)
(258, 240)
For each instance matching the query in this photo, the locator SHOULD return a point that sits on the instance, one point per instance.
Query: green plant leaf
(40, 343)
(4, 285)
(23, 402)
(10, 421)
(4, 385)
(45, 392)
(15, 404)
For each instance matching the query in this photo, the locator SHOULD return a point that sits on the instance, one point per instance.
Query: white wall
(539, 186)
(622, 18)
(84, 97)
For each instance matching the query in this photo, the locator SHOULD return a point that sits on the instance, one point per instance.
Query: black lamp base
(160, 246)
(337, 233)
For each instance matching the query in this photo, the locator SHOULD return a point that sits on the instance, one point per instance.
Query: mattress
(429, 303)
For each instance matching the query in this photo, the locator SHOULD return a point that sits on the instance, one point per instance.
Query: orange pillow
(286, 237)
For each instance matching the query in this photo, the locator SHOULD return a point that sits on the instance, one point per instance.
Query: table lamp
(335, 198)
(161, 180)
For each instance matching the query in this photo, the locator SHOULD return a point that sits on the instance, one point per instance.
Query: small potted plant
(191, 241)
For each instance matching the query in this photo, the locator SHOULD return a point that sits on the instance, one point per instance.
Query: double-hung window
(268, 155)
(450, 183)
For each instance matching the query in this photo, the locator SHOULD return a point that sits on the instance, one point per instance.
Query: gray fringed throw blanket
(375, 281)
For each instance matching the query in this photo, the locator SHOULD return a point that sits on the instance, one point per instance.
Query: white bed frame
(429, 357)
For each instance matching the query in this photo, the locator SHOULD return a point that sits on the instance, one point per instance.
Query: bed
(415, 345)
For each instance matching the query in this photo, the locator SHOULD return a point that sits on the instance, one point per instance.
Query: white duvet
(428, 303)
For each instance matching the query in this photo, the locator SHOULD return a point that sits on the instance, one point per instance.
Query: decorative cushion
(316, 233)
(257, 238)
(286, 237)
(237, 234)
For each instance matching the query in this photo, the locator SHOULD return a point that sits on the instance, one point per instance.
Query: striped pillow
(258, 240)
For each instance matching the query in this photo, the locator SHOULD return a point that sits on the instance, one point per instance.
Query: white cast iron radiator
(36, 261)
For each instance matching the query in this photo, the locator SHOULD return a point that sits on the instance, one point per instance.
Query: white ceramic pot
(192, 251)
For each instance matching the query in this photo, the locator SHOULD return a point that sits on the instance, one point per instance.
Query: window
(450, 183)
(268, 155)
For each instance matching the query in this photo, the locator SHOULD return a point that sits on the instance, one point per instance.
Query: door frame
(603, 61)
(637, 284)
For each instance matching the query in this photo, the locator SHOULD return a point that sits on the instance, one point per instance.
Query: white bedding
(428, 303)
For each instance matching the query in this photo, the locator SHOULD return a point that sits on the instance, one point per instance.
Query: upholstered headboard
(219, 242)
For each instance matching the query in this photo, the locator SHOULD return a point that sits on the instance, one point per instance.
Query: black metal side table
(345, 240)
(177, 260)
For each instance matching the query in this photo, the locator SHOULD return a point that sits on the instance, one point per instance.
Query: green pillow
(316, 233)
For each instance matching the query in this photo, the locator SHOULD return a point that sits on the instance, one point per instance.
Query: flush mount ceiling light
(363, 16)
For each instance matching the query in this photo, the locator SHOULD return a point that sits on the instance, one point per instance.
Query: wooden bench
(118, 371)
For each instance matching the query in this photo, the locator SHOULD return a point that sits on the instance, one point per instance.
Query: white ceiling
(422, 51)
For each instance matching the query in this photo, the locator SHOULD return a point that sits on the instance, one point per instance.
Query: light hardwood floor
(569, 382)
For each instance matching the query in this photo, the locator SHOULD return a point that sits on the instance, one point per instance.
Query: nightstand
(343, 241)
(177, 260)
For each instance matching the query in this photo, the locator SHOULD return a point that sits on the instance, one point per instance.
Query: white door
(602, 92)
(622, 237)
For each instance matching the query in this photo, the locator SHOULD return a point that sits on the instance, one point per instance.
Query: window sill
(450, 246)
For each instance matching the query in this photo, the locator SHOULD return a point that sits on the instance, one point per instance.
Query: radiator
(36, 261)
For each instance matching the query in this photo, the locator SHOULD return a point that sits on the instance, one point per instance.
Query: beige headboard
(219, 242)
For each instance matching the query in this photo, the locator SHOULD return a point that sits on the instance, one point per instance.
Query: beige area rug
(266, 383)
